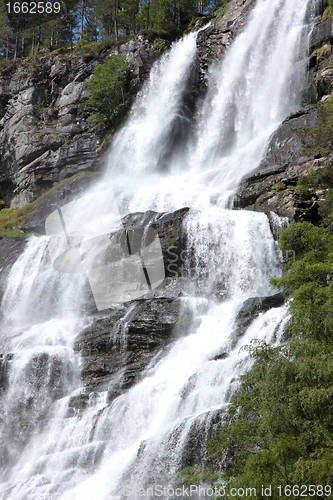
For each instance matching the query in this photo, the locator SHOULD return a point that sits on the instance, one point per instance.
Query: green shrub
(160, 45)
(319, 139)
(313, 179)
(110, 95)
(328, 12)
(279, 186)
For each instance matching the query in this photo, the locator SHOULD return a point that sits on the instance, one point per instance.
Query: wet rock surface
(169, 227)
(4, 371)
(10, 250)
(116, 347)
(249, 311)
(121, 342)
(213, 41)
(252, 308)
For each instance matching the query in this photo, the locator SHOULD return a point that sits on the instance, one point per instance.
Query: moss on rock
(31, 217)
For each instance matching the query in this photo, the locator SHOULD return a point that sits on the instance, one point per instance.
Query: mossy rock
(318, 140)
(279, 186)
(31, 217)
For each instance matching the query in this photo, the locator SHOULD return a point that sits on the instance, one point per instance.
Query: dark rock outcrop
(4, 372)
(116, 348)
(249, 311)
(271, 186)
(274, 190)
(286, 147)
(322, 32)
(169, 227)
(252, 308)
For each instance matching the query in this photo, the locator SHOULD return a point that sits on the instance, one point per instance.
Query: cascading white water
(250, 92)
(110, 451)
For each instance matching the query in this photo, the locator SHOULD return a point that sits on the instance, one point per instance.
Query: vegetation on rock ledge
(12, 219)
(328, 11)
(319, 139)
(110, 93)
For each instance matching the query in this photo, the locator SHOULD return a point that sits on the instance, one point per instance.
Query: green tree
(127, 16)
(22, 30)
(110, 95)
(5, 32)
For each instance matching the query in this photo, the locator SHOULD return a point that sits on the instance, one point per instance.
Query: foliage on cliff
(319, 139)
(318, 182)
(110, 95)
(328, 11)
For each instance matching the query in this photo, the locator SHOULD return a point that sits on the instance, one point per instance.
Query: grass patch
(322, 51)
(279, 186)
(160, 45)
(12, 219)
(328, 12)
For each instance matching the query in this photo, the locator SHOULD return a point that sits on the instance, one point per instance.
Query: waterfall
(164, 158)
(256, 85)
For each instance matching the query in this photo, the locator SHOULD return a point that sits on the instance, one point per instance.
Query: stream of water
(164, 158)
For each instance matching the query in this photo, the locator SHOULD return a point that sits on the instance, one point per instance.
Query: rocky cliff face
(45, 136)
